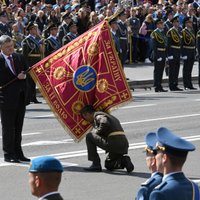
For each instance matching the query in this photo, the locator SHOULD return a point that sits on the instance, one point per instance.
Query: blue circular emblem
(84, 78)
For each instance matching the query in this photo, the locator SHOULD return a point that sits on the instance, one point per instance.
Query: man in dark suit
(108, 134)
(172, 153)
(45, 175)
(156, 172)
(12, 106)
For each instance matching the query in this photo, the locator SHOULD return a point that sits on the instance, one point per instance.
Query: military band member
(188, 53)
(174, 53)
(134, 26)
(159, 54)
(168, 23)
(114, 27)
(63, 29)
(32, 51)
(4, 28)
(72, 33)
(198, 48)
(123, 36)
(52, 43)
(156, 173)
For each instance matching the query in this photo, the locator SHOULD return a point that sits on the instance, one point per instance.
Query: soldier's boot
(126, 163)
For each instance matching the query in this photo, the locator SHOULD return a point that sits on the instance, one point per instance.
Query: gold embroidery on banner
(59, 73)
(102, 85)
(93, 49)
(77, 106)
(38, 70)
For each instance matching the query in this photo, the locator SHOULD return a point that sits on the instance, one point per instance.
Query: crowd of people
(161, 32)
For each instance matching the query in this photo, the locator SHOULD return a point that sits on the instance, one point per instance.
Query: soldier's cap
(158, 21)
(187, 19)
(77, 5)
(67, 6)
(51, 26)
(175, 19)
(169, 12)
(151, 141)
(170, 143)
(71, 24)
(3, 14)
(113, 21)
(45, 164)
(122, 13)
(66, 15)
(30, 25)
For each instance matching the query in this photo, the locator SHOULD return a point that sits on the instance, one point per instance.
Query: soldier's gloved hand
(159, 59)
(184, 57)
(170, 57)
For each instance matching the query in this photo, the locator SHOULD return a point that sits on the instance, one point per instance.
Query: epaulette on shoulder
(160, 186)
(148, 182)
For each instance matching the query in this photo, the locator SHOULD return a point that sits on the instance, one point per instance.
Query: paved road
(43, 135)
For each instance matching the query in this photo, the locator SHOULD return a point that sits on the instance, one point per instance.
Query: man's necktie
(12, 64)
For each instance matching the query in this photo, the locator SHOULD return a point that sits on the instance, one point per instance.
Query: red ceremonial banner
(85, 71)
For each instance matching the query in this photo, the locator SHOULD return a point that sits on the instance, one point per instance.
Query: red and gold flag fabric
(85, 71)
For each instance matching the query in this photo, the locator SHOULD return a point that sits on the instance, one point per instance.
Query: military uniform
(108, 134)
(188, 55)
(31, 49)
(147, 187)
(159, 56)
(70, 36)
(174, 53)
(174, 186)
(156, 177)
(52, 43)
(198, 48)
(122, 33)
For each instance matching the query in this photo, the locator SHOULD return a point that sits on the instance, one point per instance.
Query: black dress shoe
(162, 90)
(190, 88)
(176, 89)
(24, 159)
(127, 164)
(11, 160)
(157, 90)
(93, 168)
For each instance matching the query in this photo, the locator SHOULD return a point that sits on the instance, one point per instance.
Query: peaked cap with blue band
(151, 141)
(172, 144)
(45, 164)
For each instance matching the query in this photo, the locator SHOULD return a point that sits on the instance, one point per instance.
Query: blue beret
(75, 6)
(172, 144)
(45, 164)
(67, 6)
(151, 141)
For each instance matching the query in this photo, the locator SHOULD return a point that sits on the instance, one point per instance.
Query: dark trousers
(174, 66)
(12, 123)
(115, 147)
(158, 73)
(187, 71)
(31, 89)
(124, 53)
(134, 48)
